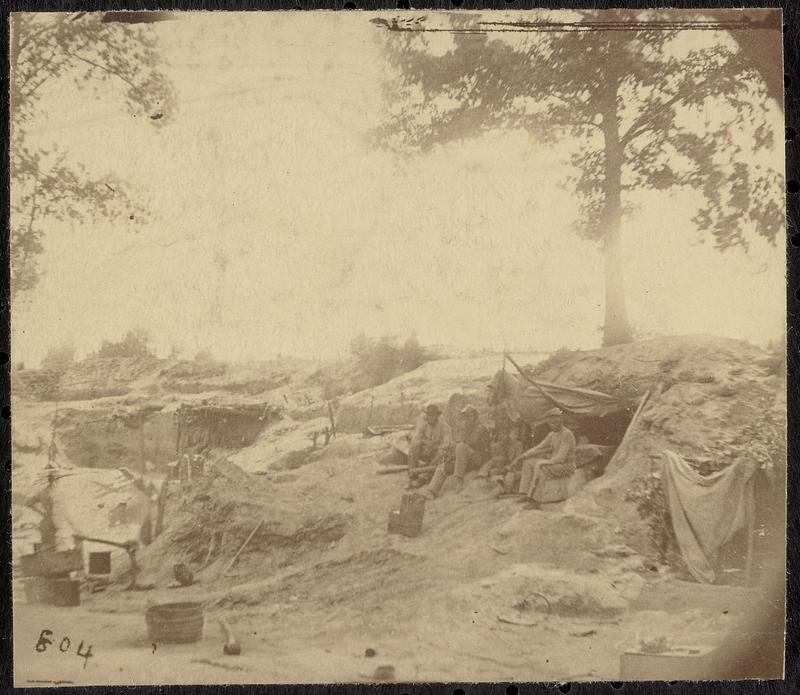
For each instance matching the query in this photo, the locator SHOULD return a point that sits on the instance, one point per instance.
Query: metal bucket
(175, 622)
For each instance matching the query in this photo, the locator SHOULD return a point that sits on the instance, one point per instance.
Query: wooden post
(51, 450)
(141, 444)
(178, 439)
(331, 431)
(160, 508)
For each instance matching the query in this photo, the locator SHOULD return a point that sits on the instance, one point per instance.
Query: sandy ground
(425, 605)
(428, 606)
(307, 607)
(305, 640)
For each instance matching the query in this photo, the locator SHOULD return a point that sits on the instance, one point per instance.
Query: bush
(134, 344)
(42, 384)
(380, 360)
(204, 356)
(647, 493)
(558, 357)
(59, 359)
(332, 389)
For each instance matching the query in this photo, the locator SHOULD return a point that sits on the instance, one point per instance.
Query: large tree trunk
(616, 328)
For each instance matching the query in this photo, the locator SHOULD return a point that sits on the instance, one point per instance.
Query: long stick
(244, 545)
(402, 469)
(538, 388)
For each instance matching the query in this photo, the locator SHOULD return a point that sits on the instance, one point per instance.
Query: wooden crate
(678, 664)
(401, 526)
(551, 490)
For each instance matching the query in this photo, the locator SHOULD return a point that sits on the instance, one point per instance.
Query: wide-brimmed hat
(469, 410)
(554, 412)
(431, 407)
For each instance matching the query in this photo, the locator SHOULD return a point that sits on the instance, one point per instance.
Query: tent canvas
(532, 398)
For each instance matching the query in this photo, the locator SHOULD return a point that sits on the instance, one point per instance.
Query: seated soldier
(504, 451)
(470, 453)
(430, 439)
(553, 458)
(497, 460)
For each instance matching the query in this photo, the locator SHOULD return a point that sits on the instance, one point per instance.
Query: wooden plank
(50, 562)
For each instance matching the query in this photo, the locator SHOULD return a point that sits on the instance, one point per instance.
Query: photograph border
(791, 107)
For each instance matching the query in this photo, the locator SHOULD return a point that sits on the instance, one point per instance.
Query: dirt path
(321, 624)
(411, 600)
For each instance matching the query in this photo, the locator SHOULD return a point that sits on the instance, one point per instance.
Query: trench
(151, 440)
(98, 439)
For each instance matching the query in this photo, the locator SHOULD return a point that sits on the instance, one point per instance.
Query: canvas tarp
(706, 511)
(532, 398)
(93, 502)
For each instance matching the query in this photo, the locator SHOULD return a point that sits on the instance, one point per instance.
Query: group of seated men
(499, 457)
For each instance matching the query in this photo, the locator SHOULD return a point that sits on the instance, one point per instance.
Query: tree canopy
(88, 49)
(634, 96)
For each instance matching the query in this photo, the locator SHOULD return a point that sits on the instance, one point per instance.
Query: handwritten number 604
(45, 641)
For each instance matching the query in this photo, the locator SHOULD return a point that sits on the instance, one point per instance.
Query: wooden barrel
(65, 592)
(175, 622)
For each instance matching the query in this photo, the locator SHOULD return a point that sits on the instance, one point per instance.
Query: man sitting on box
(552, 459)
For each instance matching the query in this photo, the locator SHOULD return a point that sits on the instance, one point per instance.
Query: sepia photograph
(397, 347)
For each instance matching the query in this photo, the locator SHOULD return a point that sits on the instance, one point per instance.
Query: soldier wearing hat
(553, 457)
(431, 436)
(470, 453)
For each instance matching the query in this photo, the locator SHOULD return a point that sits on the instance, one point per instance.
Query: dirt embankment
(148, 377)
(208, 520)
(462, 600)
(452, 383)
(712, 400)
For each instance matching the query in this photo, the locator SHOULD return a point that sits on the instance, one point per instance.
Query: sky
(277, 228)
